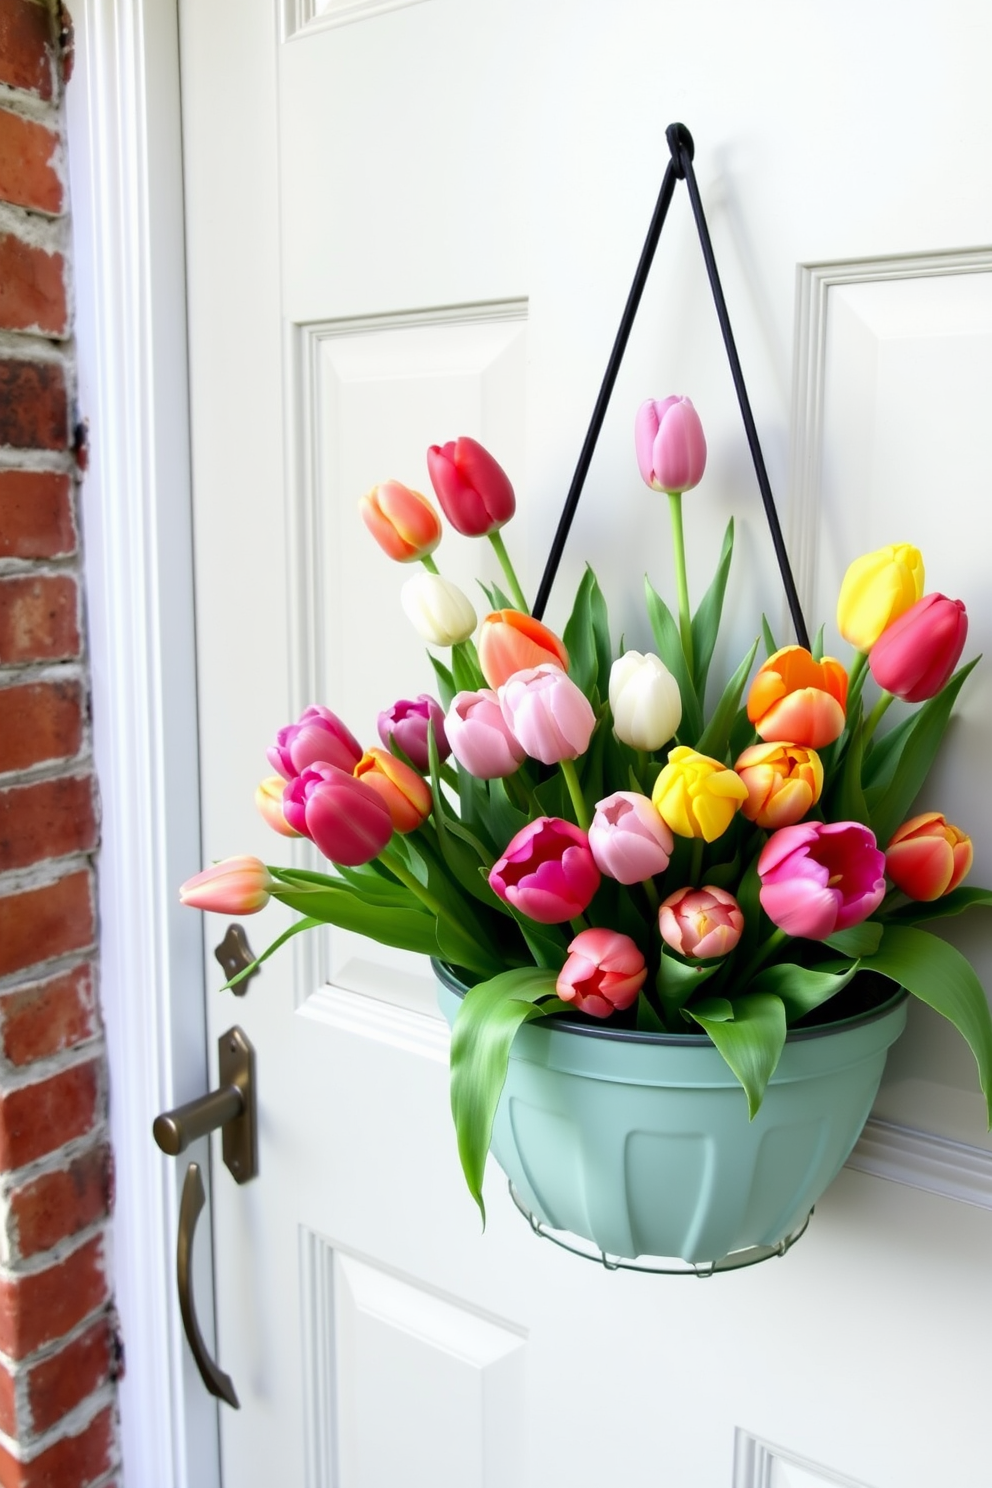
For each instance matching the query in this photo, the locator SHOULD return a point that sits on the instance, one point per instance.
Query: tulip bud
(819, 877)
(697, 796)
(406, 795)
(878, 587)
(403, 523)
(547, 714)
(603, 974)
(547, 871)
(474, 491)
(318, 736)
(914, 656)
(670, 446)
(510, 641)
(645, 701)
(437, 609)
(701, 923)
(783, 782)
(480, 740)
(235, 886)
(407, 723)
(798, 699)
(628, 839)
(268, 799)
(347, 819)
(927, 857)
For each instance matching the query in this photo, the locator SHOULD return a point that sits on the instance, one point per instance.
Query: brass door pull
(193, 1200)
(235, 954)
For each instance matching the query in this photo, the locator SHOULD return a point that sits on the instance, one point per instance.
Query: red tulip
(927, 857)
(916, 654)
(603, 974)
(474, 491)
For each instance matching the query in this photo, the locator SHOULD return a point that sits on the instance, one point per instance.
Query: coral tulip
(347, 819)
(268, 799)
(547, 714)
(437, 609)
(697, 796)
(403, 522)
(603, 974)
(318, 736)
(914, 656)
(474, 491)
(796, 699)
(628, 839)
(878, 587)
(480, 740)
(235, 886)
(820, 877)
(783, 781)
(407, 724)
(645, 701)
(547, 871)
(510, 641)
(927, 857)
(701, 923)
(669, 443)
(406, 795)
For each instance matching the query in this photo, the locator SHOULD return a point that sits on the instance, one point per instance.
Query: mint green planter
(641, 1144)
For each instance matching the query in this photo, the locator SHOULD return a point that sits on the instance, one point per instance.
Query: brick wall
(59, 1350)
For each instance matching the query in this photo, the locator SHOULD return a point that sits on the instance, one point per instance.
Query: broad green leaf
(954, 903)
(846, 800)
(857, 940)
(882, 757)
(725, 875)
(280, 940)
(465, 935)
(546, 943)
(647, 1019)
(716, 735)
(462, 853)
(940, 976)
(445, 682)
(751, 1042)
(408, 929)
(677, 981)
(719, 1009)
(771, 645)
(372, 885)
(587, 637)
(505, 821)
(465, 671)
(706, 621)
(669, 643)
(800, 989)
(748, 893)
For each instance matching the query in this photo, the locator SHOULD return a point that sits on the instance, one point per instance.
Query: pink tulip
(235, 886)
(547, 871)
(701, 923)
(474, 491)
(603, 974)
(268, 799)
(406, 723)
(479, 738)
(916, 654)
(927, 857)
(820, 877)
(670, 446)
(347, 819)
(547, 714)
(318, 736)
(628, 838)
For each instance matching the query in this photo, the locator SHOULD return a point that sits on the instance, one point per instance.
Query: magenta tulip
(628, 838)
(474, 491)
(820, 877)
(318, 736)
(701, 923)
(547, 714)
(916, 654)
(479, 738)
(234, 886)
(670, 446)
(603, 974)
(346, 818)
(547, 871)
(406, 724)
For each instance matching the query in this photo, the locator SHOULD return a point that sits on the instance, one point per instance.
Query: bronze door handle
(193, 1200)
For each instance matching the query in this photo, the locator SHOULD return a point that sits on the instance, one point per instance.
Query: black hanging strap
(679, 167)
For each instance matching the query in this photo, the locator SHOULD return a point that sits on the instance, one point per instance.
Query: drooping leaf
(677, 981)
(716, 735)
(857, 940)
(389, 924)
(706, 621)
(669, 644)
(751, 1042)
(954, 903)
(800, 989)
(280, 940)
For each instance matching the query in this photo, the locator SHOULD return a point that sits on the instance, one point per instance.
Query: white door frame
(125, 153)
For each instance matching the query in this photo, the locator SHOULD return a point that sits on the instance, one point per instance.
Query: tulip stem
(777, 938)
(876, 715)
(678, 545)
(399, 870)
(575, 791)
(579, 924)
(857, 667)
(429, 563)
(654, 903)
(696, 863)
(516, 593)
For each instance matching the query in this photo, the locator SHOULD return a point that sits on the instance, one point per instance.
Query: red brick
(49, 1016)
(38, 618)
(38, 924)
(72, 1462)
(32, 288)
(47, 820)
(26, 50)
(28, 177)
(46, 1305)
(58, 1384)
(38, 722)
(34, 409)
(57, 1205)
(39, 1118)
(36, 516)
(8, 1402)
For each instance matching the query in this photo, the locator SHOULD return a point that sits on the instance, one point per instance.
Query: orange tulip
(927, 857)
(406, 795)
(796, 699)
(783, 781)
(510, 641)
(403, 523)
(268, 799)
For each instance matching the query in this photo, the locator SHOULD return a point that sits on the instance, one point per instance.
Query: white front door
(412, 221)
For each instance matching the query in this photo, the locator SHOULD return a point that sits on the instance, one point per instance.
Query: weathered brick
(8, 1402)
(26, 47)
(71, 1462)
(59, 1383)
(60, 1204)
(47, 820)
(46, 1305)
(39, 721)
(34, 408)
(32, 288)
(37, 1119)
(49, 1016)
(38, 618)
(38, 924)
(36, 516)
(28, 151)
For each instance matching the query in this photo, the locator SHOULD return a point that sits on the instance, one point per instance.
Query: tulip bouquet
(576, 833)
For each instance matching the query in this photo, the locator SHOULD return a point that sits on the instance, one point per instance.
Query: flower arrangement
(575, 834)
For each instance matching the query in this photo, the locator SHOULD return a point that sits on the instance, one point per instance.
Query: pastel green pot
(641, 1142)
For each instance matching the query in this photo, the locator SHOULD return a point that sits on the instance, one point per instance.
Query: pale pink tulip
(547, 714)
(235, 886)
(628, 838)
(479, 738)
(701, 923)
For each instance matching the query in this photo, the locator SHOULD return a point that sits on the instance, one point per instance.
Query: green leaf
(847, 799)
(771, 645)
(587, 637)
(857, 940)
(408, 929)
(465, 671)
(647, 1019)
(800, 989)
(546, 943)
(882, 758)
(706, 621)
(940, 976)
(484, 1028)
(445, 682)
(677, 981)
(716, 735)
(669, 643)
(954, 903)
(816, 649)
(751, 1043)
(464, 935)
(505, 821)
(461, 853)
(307, 924)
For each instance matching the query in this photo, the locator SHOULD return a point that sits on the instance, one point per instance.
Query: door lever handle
(191, 1204)
(231, 1107)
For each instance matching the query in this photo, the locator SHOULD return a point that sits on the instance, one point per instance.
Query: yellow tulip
(878, 588)
(696, 796)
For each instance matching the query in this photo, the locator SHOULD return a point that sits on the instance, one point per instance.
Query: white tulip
(645, 700)
(437, 609)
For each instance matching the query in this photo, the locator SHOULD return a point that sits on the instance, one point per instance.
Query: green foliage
(587, 638)
(706, 621)
(669, 644)
(799, 989)
(750, 1036)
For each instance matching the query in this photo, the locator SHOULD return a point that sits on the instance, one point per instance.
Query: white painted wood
(759, 1464)
(925, 1161)
(306, 16)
